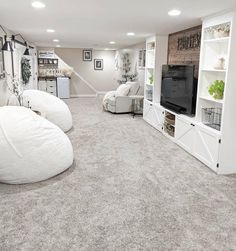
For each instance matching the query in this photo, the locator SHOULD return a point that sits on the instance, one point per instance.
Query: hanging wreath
(25, 70)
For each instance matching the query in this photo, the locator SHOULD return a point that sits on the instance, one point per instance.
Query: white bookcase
(211, 141)
(215, 146)
(156, 56)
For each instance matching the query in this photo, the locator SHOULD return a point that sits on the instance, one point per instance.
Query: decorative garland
(25, 70)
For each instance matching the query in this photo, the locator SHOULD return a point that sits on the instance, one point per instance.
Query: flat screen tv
(179, 88)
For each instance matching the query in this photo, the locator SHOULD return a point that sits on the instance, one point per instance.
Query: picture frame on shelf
(87, 55)
(2, 66)
(98, 64)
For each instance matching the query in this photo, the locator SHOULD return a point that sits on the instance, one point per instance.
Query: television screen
(178, 89)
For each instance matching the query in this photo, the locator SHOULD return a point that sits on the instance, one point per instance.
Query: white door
(159, 113)
(153, 115)
(185, 133)
(206, 146)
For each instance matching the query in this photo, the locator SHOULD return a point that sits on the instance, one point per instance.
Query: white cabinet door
(153, 115)
(206, 146)
(42, 85)
(159, 113)
(185, 133)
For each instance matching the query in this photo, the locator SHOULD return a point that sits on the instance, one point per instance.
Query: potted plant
(216, 89)
(151, 79)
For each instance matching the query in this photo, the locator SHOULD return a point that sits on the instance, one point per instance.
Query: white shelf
(217, 40)
(208, 98)
(149, 84)
(209, 128)
(150, 67)
(151, 50)
(214, 70)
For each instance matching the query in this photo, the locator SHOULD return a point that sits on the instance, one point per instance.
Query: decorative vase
(220, 64)
(221, 33)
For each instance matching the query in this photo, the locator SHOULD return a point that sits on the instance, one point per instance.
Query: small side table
(137, 104)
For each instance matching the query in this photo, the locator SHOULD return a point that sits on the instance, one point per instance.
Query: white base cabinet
(153, 114)
(206, 146)
(185, 133)
(197, 139)
(48, 85)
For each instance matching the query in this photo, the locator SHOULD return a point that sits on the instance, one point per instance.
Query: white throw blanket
(107, 96)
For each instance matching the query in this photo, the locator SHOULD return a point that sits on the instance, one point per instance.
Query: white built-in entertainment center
(210, 135)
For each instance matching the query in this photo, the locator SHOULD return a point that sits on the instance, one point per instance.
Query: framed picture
(87, 55)
(98, 64)
(141, 59)
(2, 74)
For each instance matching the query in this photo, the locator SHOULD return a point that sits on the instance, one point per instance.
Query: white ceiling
(93, 23)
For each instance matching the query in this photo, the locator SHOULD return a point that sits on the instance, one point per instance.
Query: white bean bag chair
(50, 107)
(31, 148)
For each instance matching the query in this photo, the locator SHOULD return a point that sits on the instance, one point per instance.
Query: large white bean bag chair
(50, 107)
(31, 148)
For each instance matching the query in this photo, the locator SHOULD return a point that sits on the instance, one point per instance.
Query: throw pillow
(122, 90)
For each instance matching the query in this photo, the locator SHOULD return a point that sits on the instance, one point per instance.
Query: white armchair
(120, 101)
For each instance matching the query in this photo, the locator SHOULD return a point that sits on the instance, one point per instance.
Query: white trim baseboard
(101, 93)
(83, 96)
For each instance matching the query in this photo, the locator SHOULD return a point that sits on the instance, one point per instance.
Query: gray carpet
(130, 188)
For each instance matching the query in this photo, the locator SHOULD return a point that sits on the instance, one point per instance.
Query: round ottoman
(32, 148)
(50, 107)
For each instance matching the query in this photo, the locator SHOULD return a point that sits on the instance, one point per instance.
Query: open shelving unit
(215, 46)
(215, 118)
(156, 56)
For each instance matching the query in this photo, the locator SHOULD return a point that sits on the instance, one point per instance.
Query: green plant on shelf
(151, 80)
(216, 89)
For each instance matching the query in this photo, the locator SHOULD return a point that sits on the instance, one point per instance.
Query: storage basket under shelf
(212, 117)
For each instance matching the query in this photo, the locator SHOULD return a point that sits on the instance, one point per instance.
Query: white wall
(134, 57)
(4, 92)
(101, 81)
(17, 55)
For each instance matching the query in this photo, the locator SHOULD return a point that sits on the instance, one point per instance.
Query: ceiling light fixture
(112, 42)
(130, 33)
(50, 30)
(58, 46)
(174, 13)
(38, 5)
(56, 40)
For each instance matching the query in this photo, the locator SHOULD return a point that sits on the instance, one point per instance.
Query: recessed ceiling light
(50, 30)
(130, 34)
(56, 40)
(106, 49)
(174, 12)
(58, 46)
(38, 5)
(112, 42)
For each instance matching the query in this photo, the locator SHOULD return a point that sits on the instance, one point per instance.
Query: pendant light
(27, 51)
(7, 44)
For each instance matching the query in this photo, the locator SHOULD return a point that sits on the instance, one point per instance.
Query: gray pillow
(134, 87)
